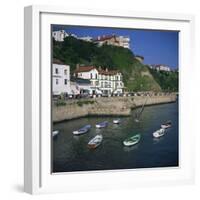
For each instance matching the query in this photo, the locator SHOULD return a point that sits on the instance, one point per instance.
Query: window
(90, 75)
(56, 70)
(96, 76)
(57, 81)
(65, 71)
(65, 81)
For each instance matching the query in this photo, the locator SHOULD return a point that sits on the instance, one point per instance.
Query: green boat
(132, 140)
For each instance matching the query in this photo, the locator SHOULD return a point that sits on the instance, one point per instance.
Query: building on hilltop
(59, 35)
(106, 81)
(162, 68)
(120, 41)
(60, 78)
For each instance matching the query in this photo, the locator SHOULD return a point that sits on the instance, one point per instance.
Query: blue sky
(157, 47)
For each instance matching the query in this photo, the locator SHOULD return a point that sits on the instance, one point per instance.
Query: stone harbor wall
(110, 106)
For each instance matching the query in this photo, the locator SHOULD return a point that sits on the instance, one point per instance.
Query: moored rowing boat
(95, 142)
(132, 140)
(102, 124)
(116, 121)
(55, 133)
(159, 133)
(82, 130)
(166, 125)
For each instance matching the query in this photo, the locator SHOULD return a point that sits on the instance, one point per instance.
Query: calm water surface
(70, 153)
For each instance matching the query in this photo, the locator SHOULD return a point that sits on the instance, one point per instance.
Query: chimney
(99, 67)
(106, 69)
(77, 66)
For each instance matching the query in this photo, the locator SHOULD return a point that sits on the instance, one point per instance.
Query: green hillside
(136, 76)
(168, 81)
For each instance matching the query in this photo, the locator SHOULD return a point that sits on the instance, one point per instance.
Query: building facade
(120, 41)
(163, 68)
(80, 86)
(59, 35)
(102, 81)
(60, 78)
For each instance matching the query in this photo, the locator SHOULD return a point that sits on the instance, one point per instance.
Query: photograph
(114, 98)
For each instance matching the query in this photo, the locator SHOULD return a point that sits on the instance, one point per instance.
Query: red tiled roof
(85, 69)
(101, 71)
(103, 38)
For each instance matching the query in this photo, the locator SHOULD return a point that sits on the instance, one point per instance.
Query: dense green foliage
(136, 76)
(168, 81)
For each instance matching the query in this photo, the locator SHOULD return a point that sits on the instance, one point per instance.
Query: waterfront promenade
(112, 106)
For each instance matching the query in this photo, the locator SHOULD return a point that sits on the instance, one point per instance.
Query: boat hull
(129, 143)
(80, 132)
(93, 146)
(165, 126)
(55, 133)
(132, 140)
(159, 133)
(95, 142)
(102, 125)
(83, 130)
(116, 121)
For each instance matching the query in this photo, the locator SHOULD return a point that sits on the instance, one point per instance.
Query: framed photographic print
(105, 93)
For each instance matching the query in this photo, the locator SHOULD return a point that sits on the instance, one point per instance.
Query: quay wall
(102, 106)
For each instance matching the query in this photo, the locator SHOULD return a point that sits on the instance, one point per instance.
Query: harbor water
(70, 153)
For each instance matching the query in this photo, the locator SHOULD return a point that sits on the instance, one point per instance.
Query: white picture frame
(37, 138)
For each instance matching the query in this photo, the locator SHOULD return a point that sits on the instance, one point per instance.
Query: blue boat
(82, 130)
(102, 124)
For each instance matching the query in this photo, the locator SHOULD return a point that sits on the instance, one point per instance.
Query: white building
(60, 78)
(80, 86)
(104, 81)
(60, 35)
(162, 68)
(120, 41)
(124, 41)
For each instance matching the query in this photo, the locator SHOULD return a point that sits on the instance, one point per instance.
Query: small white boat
(95, 142)
(102, 124)
(116, 121)
(166, 125)
(132, 140)
(159, 133)
(82, 130)
(55, 133)
(137, 120)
